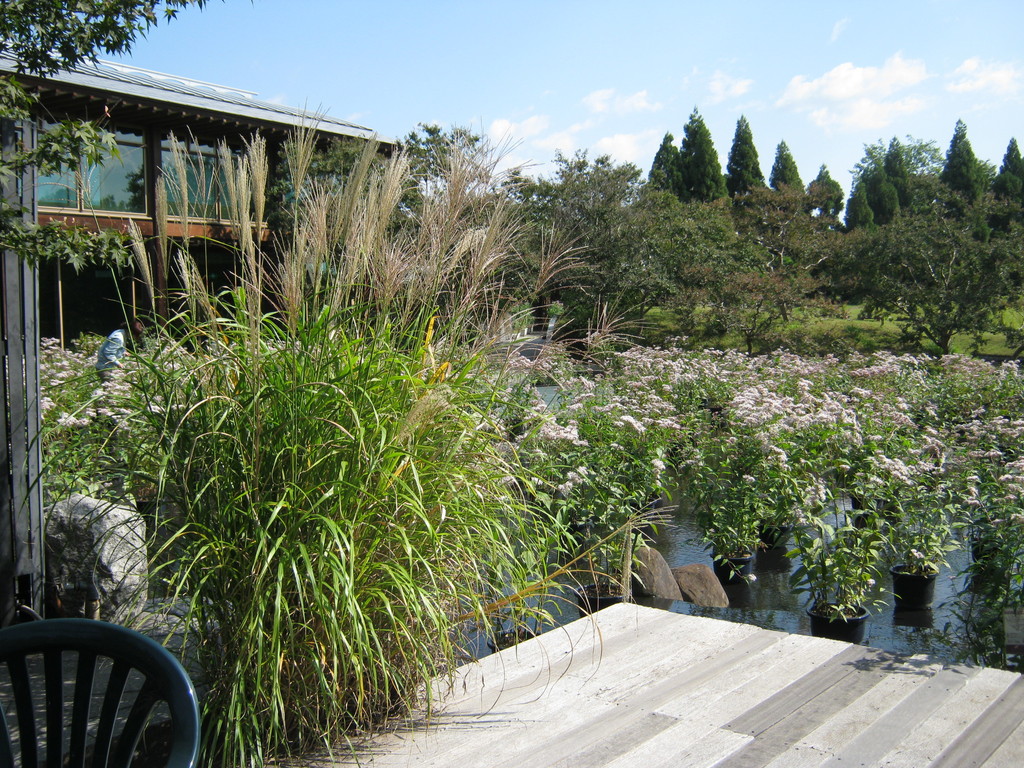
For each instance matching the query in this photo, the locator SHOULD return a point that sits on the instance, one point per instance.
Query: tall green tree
(897, 171)
(891, 177)
(700, 171)
(962, 172)
(858, 211)
(938, 274)
(743, 170)
(592, 204)
(826, 194)
(664, 172)
(784, 170)
(1009, 183)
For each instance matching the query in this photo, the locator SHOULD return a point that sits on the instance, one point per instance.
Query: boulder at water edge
(96, 550)
(653, 577)
(699, 585)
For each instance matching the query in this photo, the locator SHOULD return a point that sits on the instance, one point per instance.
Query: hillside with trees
(928, 244)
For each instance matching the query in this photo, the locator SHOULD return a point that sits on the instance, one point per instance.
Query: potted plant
(839, 567)
(919, 538)
(732, 486)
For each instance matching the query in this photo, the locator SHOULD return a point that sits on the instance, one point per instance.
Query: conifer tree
(858, 211)
(665, 168)
(743, 170)
(784, 170)
(962, 172)
(701, 177)
(1009, 184)
(826, 194)
(896, 171)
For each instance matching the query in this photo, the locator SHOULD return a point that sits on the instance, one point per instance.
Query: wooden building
(145, 111)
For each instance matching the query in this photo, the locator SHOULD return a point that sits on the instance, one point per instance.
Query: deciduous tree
(938, 275)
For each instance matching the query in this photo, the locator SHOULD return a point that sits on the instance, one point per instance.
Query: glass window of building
(119, 183)
(116, 184)
(192, 171)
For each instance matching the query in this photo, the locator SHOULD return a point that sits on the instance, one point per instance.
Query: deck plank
(633, 686)
(935, 733)
(888, 720)
(986, 734)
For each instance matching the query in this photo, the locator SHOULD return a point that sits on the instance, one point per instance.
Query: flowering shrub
(839, 566)
(81, 422)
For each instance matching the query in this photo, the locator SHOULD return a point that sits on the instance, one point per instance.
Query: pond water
(770, 602)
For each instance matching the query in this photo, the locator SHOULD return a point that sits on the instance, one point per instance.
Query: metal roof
(233, 104)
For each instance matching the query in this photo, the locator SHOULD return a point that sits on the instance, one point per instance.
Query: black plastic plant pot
(851, 629)
(594, 597)
(733, 570)
(912, 591)
(774, 536)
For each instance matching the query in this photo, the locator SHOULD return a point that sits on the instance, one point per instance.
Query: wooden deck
(636, 686)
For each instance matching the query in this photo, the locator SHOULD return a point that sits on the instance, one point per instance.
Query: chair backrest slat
(140, 673)
(134, 724)
(6, 749)
(17, 667)
(81, 708)
(53, 666)
(109, 709)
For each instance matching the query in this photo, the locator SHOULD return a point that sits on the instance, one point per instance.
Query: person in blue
(115, 347)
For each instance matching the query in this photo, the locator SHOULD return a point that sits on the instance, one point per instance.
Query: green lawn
(819, 334)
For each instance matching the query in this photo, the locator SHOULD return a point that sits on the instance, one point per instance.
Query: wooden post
(22, 542)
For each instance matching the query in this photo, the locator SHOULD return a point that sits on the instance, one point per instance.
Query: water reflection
(952, 630)
(769, 601)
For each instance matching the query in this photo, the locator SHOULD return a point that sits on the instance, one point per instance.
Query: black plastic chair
(37, 687)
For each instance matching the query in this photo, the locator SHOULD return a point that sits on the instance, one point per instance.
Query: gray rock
(96, 557)
(699, 585)
(653, 577)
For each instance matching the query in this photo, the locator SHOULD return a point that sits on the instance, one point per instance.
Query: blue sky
(614, 77)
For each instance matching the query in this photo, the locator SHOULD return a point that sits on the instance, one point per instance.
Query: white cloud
(638, 102)
(599, 101)
(723, 86)
(506, 130)
(854, 97)
(865, 113)
(977, 75)
(606, 100)
(629, 147)
(565, 141)
(838, 28)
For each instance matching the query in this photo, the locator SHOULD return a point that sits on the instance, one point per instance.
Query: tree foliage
(889, 178)
(743, 170)
(593, 204)
(45, 36)
(826, 195)
(934, 273)
(700, 171)
(1009, 183)
(784, 170)
(962, 172)
(664, 172)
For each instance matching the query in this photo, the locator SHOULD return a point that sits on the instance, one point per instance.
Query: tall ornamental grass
(344, 503)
